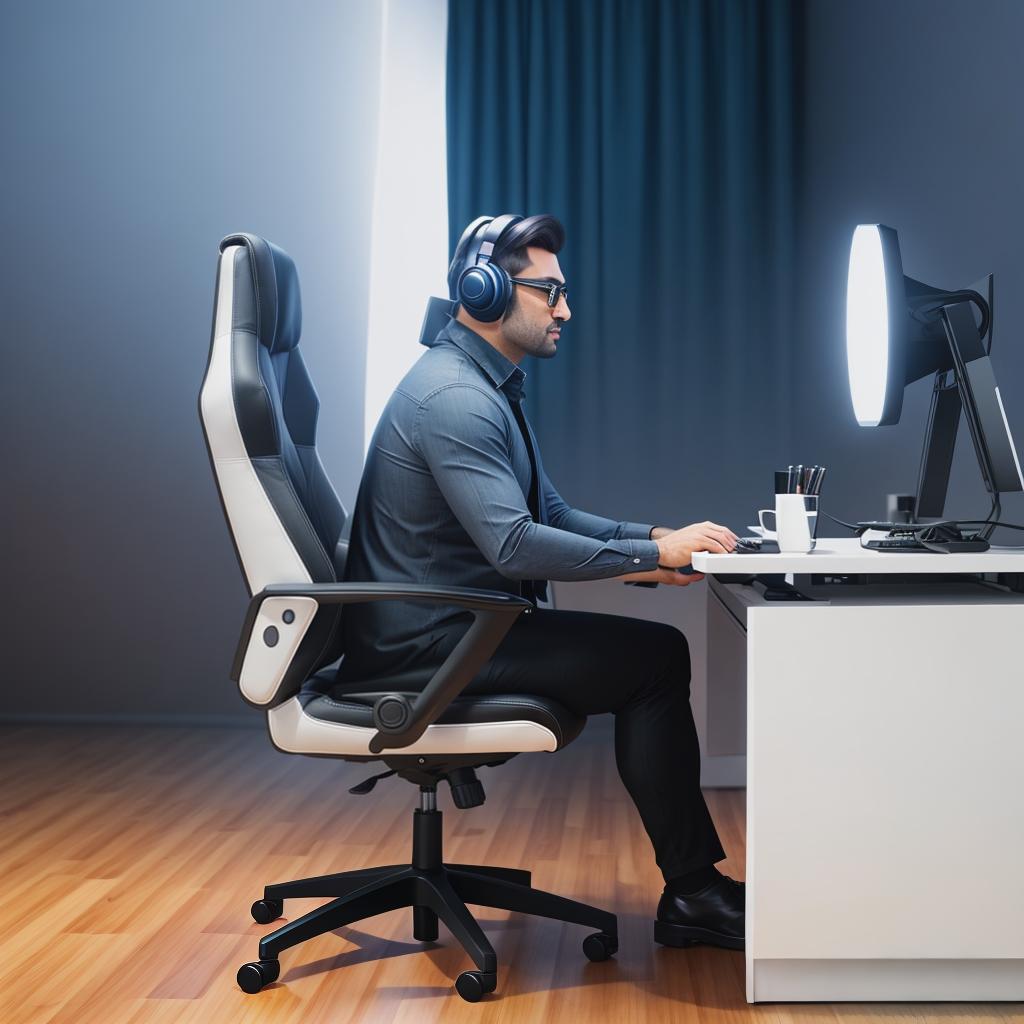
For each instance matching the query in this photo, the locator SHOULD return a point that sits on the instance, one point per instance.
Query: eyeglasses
(555, 290)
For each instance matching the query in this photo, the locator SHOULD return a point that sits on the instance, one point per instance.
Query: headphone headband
(493, 233)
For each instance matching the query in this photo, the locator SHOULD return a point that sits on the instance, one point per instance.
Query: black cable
(923, 532)
(971, 522)
(848, 526)
(910, 527)
(983, 308)
(931, 310)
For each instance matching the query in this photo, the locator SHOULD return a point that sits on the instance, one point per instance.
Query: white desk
(845, 555)
(885, 775)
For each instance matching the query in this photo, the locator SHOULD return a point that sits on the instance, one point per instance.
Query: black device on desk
(944, 538)
(756, 546)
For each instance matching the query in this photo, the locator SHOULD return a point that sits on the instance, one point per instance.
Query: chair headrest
(278, 306)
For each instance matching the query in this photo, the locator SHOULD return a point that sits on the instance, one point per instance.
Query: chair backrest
(259, 412)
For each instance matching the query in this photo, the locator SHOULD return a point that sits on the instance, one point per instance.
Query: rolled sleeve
(463, 437)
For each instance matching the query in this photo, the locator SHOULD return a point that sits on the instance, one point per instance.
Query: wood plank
(131, 856)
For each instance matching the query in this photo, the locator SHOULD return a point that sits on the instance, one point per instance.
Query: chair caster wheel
(600, 946)
(473, 985)
(252, 977)
(265, 911)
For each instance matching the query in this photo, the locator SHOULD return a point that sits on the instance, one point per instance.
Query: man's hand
(669, 576)
(676, 547)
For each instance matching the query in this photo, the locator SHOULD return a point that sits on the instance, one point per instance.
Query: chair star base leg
(436, 892)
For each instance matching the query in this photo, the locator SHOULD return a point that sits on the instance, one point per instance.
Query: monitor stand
(952, 395)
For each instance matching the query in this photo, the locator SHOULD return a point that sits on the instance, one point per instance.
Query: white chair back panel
(273, 644)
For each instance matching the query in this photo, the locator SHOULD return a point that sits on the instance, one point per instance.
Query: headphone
(475, 282)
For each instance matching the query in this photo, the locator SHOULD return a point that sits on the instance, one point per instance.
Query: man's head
(531, 325)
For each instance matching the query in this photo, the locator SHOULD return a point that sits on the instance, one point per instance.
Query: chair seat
(312, 723)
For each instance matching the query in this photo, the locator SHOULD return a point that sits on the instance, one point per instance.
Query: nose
(561, 310)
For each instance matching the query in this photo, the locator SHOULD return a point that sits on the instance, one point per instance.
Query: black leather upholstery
(272, 308)
(356, 709)
(276, 404)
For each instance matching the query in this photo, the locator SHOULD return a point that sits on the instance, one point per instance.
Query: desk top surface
(845, 555)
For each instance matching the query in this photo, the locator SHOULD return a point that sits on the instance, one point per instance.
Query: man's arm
(704, 534)
(564, 517)
(462, 435)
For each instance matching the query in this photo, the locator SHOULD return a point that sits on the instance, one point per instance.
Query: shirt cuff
(642, 554)
(635, 531)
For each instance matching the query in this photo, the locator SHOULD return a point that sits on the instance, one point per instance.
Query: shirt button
(636, 561)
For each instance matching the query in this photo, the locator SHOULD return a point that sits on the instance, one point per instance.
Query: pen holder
(796, 522)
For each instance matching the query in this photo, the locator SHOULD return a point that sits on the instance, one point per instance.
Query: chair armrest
(401, 722)
(356, 593)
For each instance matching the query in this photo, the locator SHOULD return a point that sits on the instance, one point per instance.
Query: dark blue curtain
(663, 134)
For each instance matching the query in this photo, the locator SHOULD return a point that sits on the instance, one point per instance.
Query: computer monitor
(899, 330)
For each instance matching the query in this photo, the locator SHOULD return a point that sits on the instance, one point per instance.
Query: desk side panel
(885, 797)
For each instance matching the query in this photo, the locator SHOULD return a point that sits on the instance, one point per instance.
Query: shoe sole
(680, 936)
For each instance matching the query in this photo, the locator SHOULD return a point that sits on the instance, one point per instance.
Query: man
(454, 492)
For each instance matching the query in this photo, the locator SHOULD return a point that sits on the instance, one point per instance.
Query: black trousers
(639, 671)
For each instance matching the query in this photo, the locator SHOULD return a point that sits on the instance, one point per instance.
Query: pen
(799, 478)
(789, 481)
(817, 483)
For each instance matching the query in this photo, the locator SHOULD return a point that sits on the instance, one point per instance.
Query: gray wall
(135, 135)
(912, 118)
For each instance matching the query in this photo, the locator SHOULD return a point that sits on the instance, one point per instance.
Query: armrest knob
(392, 713)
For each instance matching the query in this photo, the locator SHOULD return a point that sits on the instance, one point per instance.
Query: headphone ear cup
(459, 259)
(484, 291)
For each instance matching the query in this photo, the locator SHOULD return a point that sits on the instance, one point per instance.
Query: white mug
(792, 530)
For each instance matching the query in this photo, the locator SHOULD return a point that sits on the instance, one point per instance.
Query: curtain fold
(663, 134)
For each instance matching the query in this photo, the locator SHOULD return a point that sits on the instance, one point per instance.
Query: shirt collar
(503, 373)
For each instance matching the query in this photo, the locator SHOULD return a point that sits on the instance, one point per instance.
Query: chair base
(436, 892)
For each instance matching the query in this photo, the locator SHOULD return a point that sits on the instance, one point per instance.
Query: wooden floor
(130, 857)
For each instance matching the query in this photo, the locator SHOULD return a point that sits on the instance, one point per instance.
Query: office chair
(259, 411)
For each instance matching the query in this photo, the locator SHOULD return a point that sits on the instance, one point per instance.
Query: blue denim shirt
(443, 500)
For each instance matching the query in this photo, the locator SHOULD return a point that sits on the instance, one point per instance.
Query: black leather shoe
(714, 915)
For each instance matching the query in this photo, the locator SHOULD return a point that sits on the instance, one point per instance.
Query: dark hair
(541, 231)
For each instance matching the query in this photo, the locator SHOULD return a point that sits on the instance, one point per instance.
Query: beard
(529, 336)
